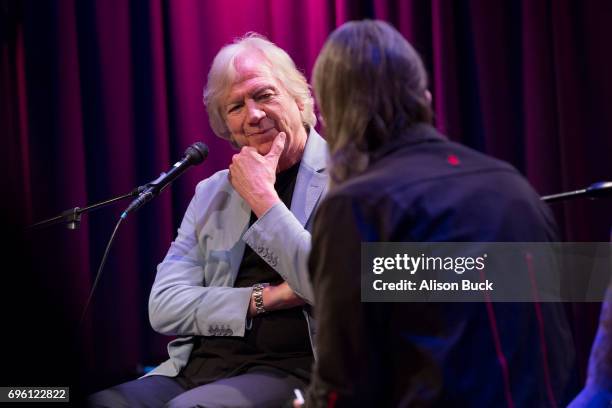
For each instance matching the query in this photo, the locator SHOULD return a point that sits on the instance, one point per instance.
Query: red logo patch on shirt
(453, 160)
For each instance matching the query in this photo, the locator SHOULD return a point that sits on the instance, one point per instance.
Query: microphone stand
(596, 190)
(72, 216)
(72, 219)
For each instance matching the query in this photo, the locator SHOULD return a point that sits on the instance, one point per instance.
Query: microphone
(600, 189)
(195, 154)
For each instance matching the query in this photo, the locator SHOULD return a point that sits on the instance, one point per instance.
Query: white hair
(223, 73)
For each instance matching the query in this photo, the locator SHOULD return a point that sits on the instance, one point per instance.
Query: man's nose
(254, 112)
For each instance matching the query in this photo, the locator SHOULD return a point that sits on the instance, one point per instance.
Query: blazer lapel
(311, 180)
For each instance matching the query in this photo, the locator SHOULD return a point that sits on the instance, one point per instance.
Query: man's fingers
(277, 146)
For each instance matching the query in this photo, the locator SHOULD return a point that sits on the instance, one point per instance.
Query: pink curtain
(98, 97)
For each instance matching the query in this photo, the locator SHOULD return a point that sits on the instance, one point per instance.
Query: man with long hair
(395, 178)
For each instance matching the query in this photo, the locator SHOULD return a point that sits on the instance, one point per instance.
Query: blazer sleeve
(279, 238)
(180, 303)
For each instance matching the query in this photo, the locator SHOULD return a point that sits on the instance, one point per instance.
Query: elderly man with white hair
(234, 285)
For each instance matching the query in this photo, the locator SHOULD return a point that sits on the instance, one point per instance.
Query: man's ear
(299, 104)
(428, 96)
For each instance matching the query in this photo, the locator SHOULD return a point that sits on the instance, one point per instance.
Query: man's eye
(233, 108)
(265, 96)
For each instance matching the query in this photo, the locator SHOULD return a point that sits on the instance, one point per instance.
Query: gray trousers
(258, 387)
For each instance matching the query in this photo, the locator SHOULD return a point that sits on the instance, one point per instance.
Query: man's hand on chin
(253, 175)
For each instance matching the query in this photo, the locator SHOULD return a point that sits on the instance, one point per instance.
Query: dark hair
(370, 85)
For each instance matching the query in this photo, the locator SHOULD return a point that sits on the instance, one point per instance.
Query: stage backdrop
(98, 97)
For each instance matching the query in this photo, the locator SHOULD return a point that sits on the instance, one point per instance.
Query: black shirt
(279, 339)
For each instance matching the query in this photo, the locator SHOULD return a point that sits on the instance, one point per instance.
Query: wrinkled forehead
(250, 72)
(250, 64)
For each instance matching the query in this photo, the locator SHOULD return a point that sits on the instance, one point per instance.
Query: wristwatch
(258, 297)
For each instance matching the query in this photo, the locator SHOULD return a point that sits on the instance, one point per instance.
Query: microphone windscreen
(197, 152)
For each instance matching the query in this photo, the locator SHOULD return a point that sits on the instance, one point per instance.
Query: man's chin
(264, 148)
(265, 141)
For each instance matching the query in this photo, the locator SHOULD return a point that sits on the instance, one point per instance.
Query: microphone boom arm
(72, 216)
(596, 190)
